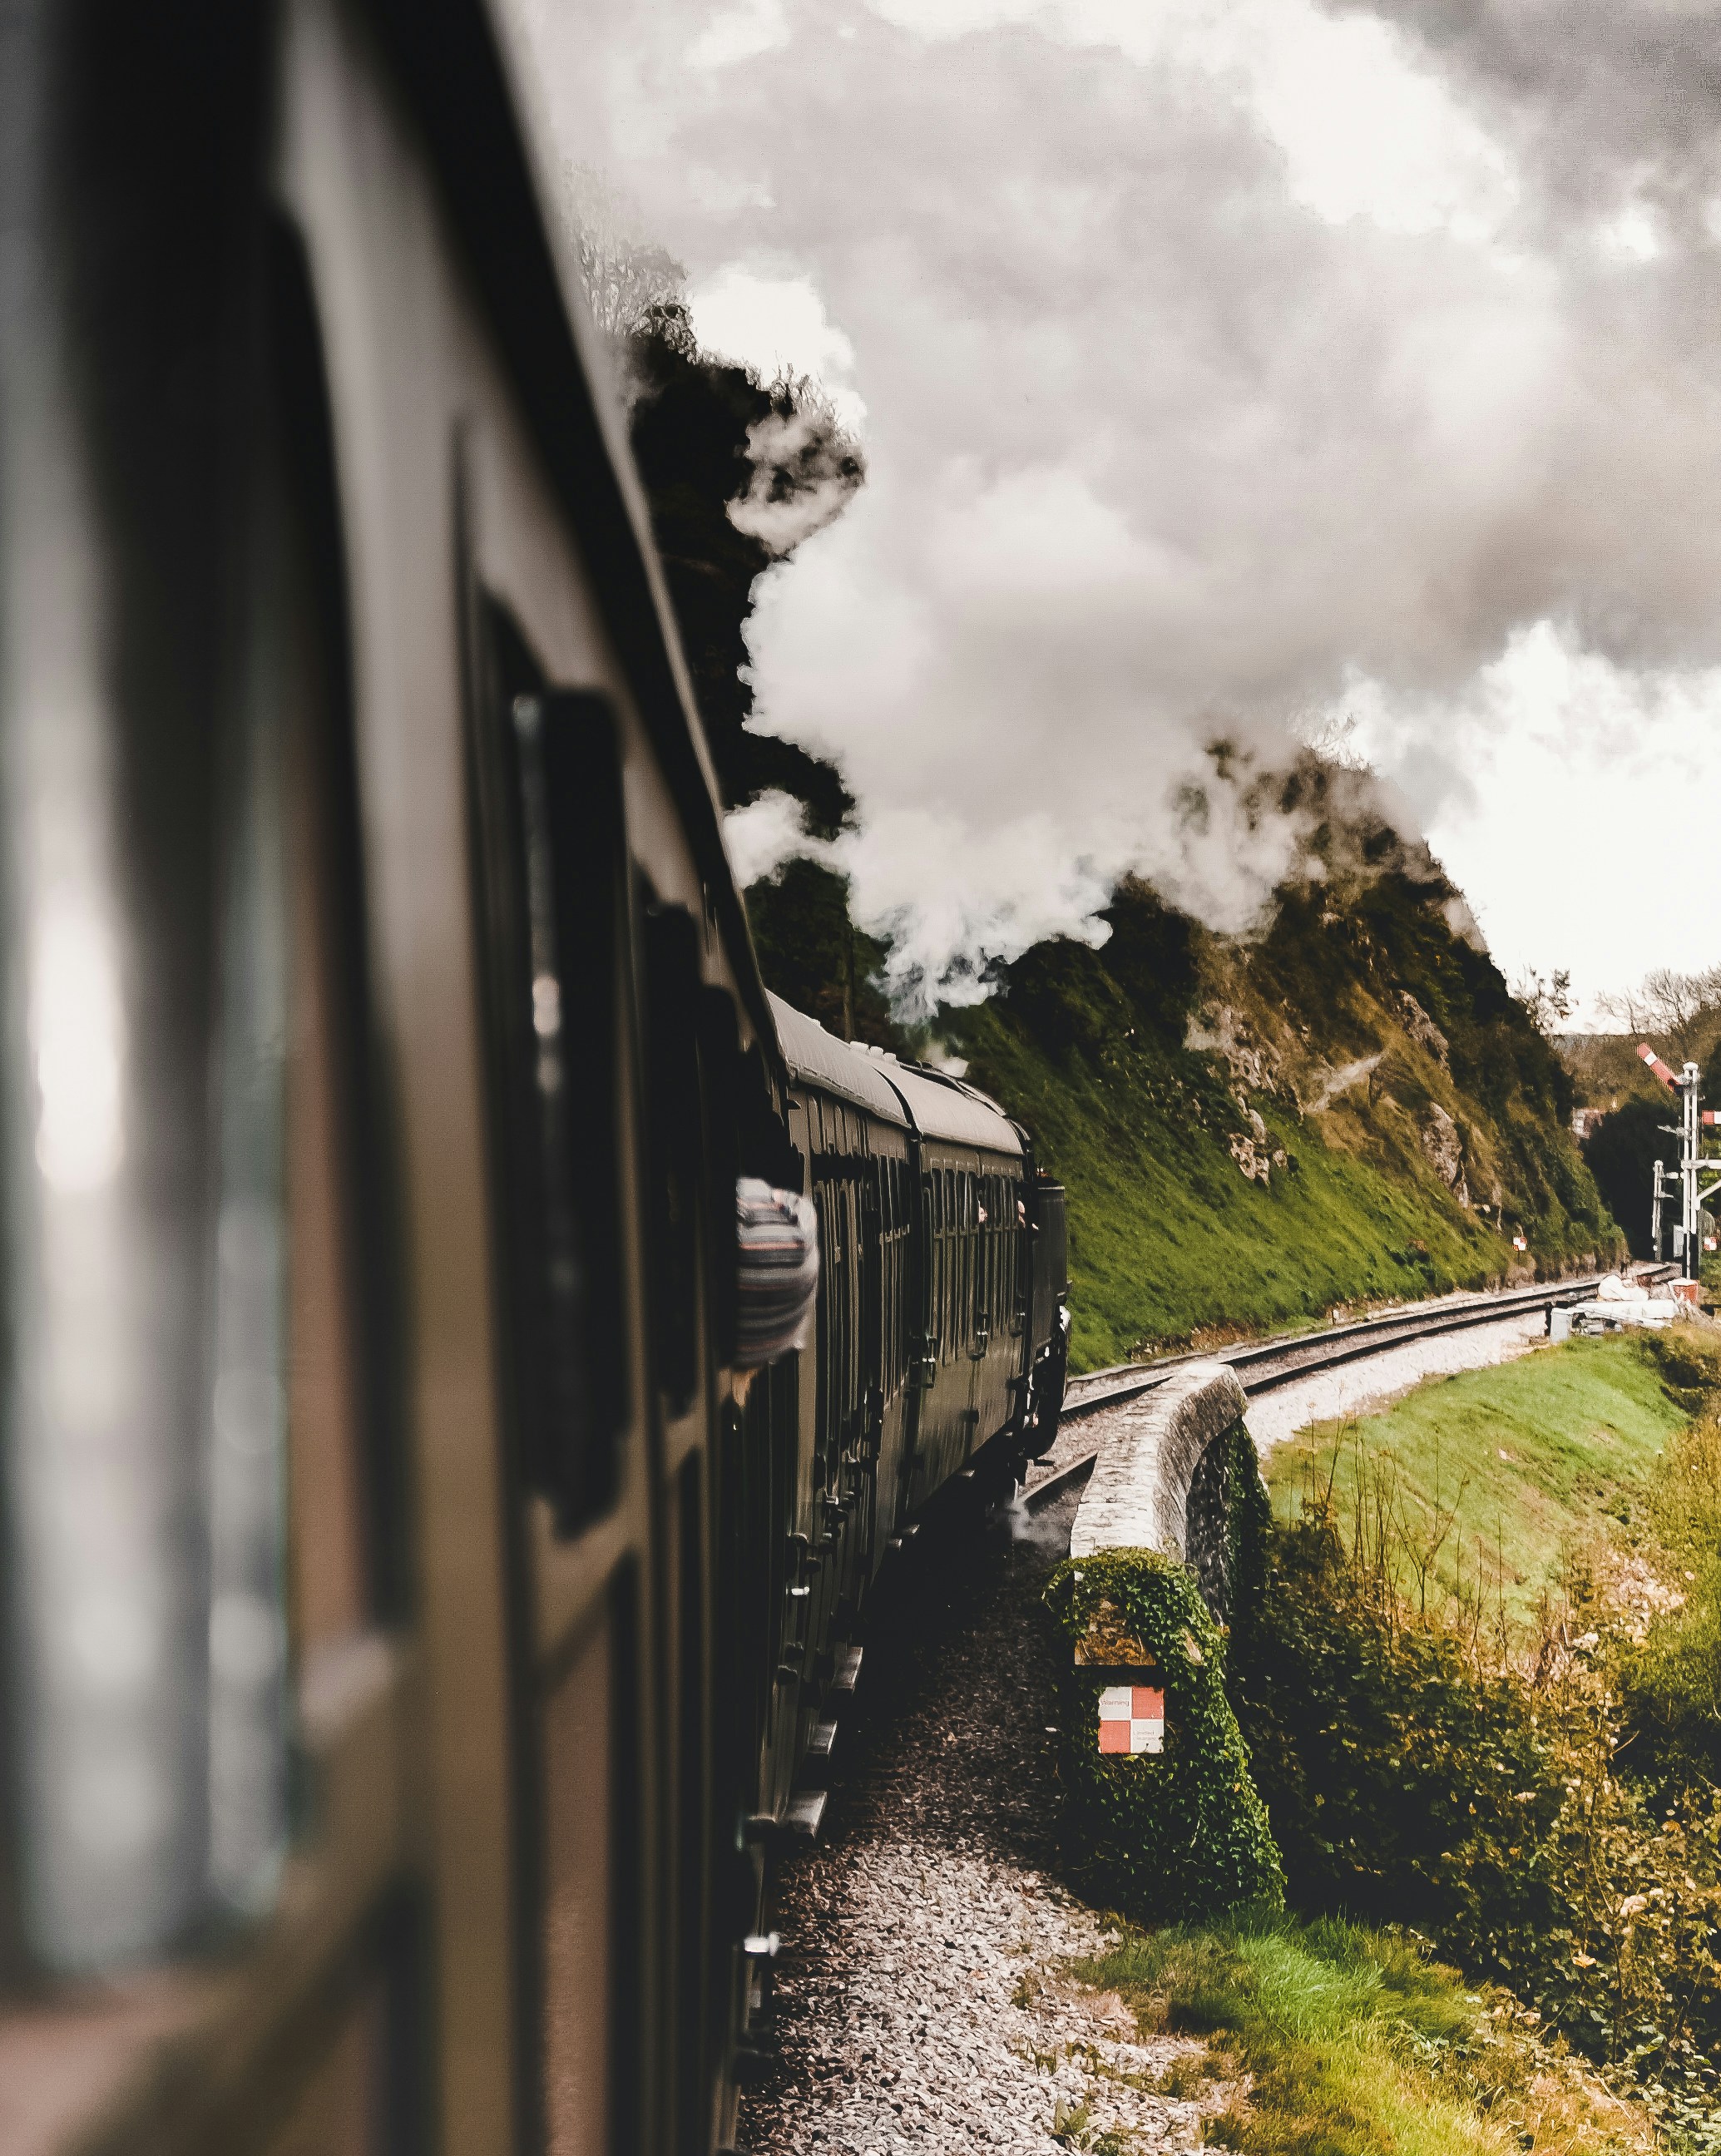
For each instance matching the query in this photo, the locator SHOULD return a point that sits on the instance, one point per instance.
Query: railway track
(1263, 1365)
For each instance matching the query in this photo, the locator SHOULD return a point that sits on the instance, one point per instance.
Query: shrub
(1355, 2043)
(1671, 1679)
(1410, 1774)
(1181, 1834)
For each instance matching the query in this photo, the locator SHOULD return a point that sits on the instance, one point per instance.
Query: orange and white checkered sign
(1132, 1719)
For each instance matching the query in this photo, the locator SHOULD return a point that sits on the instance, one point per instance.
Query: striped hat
(778, 1235)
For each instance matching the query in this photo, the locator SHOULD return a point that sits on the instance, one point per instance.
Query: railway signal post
(1694, 1164)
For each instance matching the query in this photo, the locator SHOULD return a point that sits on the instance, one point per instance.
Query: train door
(554, 913)
(975, 1330)
(990, 1343)
(872, 1193)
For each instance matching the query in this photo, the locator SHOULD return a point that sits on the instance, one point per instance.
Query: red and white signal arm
(1132, 1717)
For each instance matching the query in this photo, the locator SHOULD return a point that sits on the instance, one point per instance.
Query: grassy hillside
(1496, 1473)
(1352, 1108)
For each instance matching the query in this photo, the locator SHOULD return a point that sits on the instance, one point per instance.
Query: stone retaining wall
(1138, 1496)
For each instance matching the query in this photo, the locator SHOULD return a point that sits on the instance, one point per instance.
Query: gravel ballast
(922, 1994)
(923, 1997)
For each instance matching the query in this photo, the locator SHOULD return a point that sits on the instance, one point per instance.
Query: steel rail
(1341, 1344)
(1377, 1331)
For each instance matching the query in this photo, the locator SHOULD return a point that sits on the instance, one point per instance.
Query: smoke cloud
(1228, 370)
(804, 471)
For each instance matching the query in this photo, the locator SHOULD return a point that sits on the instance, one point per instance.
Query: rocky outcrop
(1333, 1083)
(1445, 1149)
(1256, 1153)
(1250, 1062)
(1422, 1029)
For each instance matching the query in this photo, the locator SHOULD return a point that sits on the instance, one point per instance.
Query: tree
(632, 287)
(737, 473)
(1620, 1152)
(812, 954)
(1548, 1001)
(1669, 1009)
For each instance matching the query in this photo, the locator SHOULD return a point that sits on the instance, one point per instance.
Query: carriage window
(551, 867)
(676, 1122)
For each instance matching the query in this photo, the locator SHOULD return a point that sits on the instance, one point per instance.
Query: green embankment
(1350, 1108)
(1529, 1785)
(1168, 1238)
(1355, 2044)
(1489, 1478)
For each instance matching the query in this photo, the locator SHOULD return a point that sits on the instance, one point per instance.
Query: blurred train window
(674, 1144)
(346, 1544)
(151, 1179)
(551, 867)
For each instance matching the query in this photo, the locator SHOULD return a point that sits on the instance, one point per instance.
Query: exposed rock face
(1333, 1083)
(1445, 1149)
(1256, 1155)
(1218, 1029)
(1253, 1164)
(1421, 1027)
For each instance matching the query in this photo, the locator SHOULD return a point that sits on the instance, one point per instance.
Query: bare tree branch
(1667, 1008)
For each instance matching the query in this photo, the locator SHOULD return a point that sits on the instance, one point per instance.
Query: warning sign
(1132, 1719)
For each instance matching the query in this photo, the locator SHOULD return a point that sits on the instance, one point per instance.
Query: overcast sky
(1252, 370)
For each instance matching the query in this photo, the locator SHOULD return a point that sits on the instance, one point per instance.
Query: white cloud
(739, 33)
(1632, 236)
(1367, 128)
(1220, 361)
(1577, 827)
(772, 321)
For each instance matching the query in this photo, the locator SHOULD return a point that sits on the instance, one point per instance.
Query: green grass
(1357, 2045)
(1167, 1237)
(1496, 1471)
(1673, 1680)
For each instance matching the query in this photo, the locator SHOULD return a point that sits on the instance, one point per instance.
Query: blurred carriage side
(383, 1045)
(416, 1631)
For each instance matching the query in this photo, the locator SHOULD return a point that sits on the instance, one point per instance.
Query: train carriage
(417, 1628)
(970, 1174)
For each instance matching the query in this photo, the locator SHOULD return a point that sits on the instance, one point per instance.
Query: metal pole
(1689, 1080)
(1655, 1215)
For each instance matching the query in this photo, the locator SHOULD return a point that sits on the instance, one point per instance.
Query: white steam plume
(1217, 359)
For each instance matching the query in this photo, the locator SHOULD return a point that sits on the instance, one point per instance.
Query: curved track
(1263, 1365)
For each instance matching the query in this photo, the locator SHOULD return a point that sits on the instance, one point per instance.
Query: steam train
(417, 1635)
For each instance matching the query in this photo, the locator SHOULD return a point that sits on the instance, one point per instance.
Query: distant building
(1585, 1120)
